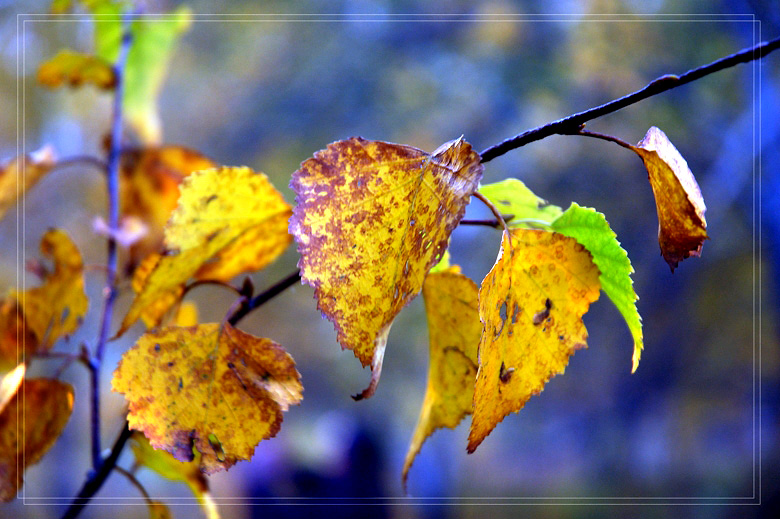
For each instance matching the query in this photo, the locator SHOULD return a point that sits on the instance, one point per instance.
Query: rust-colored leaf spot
(534, 270)
(29, 425)
(210, 388)
(454, 329)
(372, 218)
(682, 228)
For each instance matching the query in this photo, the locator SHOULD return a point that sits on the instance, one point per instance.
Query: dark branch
(264, 297)
(571, 124)
(99, 476)
(496, 224)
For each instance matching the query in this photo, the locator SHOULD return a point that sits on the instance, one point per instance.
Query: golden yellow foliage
(43, 406)
(20, 174)
(56, 307)
(531, 305)
(682, 228)
(164, 464)
(16, 340)
(211, 388)
(454, 330)
(75, 69)
(372, 219)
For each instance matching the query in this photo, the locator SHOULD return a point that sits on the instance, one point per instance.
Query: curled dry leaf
(211, 388)
(76, 69)
(371, 219)
(682, 228)
(531, 305)
(21, 173)
(43, 406)
(454, 330)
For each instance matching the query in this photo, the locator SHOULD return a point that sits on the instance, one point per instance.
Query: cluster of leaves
(372, 222)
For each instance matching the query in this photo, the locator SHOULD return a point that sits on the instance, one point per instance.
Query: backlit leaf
(372, 218)
(454, 330)
(512, 197)
(188, 472)
(531, 305)
(29, 425)
(153, 43)
(682, 228)
(591, 230)
(149, 189)
(56, 307)
(211, 388)
(17, 176)
(75, 69)
(236, 201)
(10, 384)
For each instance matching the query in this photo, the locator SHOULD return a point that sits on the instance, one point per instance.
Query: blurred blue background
(270, 93)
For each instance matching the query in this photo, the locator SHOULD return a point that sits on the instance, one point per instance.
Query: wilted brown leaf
(372, 218)
(682, 228)
(211, 388)
(531, 305)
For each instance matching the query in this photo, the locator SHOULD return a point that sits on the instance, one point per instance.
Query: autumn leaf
(682, 228)
(234, 200)
(153, 43)
(454, 330)
(75, 69)
(56, 307)
(512, 197)
(164, 464)
(10, 384)
(44, 406)
(531, 305)
(20, 174)
(372, 218)
(17, 341)
(228, 221)
(211, 388)
(591, 230)
(149, 189)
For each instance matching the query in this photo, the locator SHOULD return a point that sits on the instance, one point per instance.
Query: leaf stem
(571, 124)
(499, 217)
(77, 160)
(112, 174)
(134, 481)
(99, 476)
(604, 137)
(488, 223)
(264, 297)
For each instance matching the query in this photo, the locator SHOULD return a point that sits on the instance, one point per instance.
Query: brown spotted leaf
(17, 341)
(20, 174)
(531, 305)
(209, 387)
(372, 218)
(29, 425)
(75, 69)
(454, 330)
(682, 228)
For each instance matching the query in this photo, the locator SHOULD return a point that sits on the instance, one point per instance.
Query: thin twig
(81, 160)
(112, 173)
(264, 297)
(496, 224)
(479, 196)
(604, 137)
(99, 476)
(569, 125)
(134, 481)
(202, 282)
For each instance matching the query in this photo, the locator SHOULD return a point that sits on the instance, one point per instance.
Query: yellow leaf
(372, 218)
(57, 307)
(17, 341)
(531, 305)
(43, 406)
(158, 510)
(454, 330)
(10, 384)
(75, 69)
(164, 464)
(17, 176)
(186, 314)
(234, 200)
(682, 228)
(211, 388)
(149, 186)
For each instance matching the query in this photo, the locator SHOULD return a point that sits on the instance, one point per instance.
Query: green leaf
(443, 264)
(147, 61)
(511, 196)
(591, 230)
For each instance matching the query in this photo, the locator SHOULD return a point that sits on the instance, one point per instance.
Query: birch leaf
(20, 174)
(511, 196)
(75, 69)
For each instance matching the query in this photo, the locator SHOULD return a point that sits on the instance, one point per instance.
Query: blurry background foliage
(269, 94)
